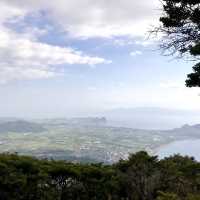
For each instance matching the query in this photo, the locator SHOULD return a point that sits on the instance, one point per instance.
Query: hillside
(20, 126)
(85, 139)
(141, 177)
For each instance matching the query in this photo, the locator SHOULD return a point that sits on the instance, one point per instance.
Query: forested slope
(141, 177)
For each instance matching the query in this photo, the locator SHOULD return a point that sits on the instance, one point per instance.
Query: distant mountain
(151, 117)
(97, 121)
(81, 121)
(20, 126)
(186, 130)
(8, 119)
(151, 111)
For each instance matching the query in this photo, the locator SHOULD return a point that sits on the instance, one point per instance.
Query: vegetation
(141, 177)
(20, 126)
(181, 30)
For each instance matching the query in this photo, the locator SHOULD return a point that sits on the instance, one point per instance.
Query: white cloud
(9, 12)
(123, 42)
(19, 73)
(144, 43)
(35, 59)
(136, 53)
(97, 18)
(82, 19)
(22, 56)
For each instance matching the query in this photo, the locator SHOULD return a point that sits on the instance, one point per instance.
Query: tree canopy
(180, 26)
(141, 177)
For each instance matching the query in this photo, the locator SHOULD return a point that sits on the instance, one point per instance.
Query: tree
(167, 196)
(194, 78)
(141, 176)
(181, 32)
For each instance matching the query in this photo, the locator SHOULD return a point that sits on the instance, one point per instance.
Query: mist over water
(152, 118)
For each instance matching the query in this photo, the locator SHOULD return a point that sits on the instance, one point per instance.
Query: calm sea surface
(185, 147)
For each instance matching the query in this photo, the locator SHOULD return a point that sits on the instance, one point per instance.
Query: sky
(76, 58)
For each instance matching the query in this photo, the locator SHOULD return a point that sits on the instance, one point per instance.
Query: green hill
(141, 177)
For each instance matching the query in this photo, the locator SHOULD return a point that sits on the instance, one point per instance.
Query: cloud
(144, 43)
(123, 42)
(35, 59)
(10, 12)
(136, 53)
(19, 73)
(96, 18)
(24, 57)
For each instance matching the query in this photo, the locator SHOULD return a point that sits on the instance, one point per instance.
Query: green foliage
(193, 79)
(181, 29)
(141, 177)
(181, 23)
(167, 196)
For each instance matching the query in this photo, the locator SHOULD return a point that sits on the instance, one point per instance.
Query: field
(90, 142)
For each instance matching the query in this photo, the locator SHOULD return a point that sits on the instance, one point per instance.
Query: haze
(59, 62)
